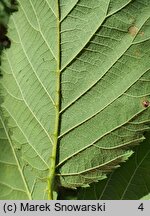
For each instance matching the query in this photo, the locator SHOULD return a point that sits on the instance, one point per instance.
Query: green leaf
(30, 93)
(103, 88)
(147, 197)
(12, 184)
(130, 182)
(75, 91)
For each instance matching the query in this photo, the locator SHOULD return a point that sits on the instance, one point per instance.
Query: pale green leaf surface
(66, 7)
(147, 197)
(102, 93)
(102, 50)
(130, 182)
(10, 187)
(29, 92)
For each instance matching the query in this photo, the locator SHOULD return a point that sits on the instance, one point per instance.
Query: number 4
(141, 207)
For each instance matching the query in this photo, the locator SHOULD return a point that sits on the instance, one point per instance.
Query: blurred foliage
(4, 16)
(7, 7)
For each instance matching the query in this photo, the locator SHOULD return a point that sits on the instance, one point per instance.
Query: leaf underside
(99, 51)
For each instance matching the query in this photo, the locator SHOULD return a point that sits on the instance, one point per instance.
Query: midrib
(51, 176)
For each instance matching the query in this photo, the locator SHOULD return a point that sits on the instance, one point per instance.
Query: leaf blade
(29, 95)
(99, 102)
